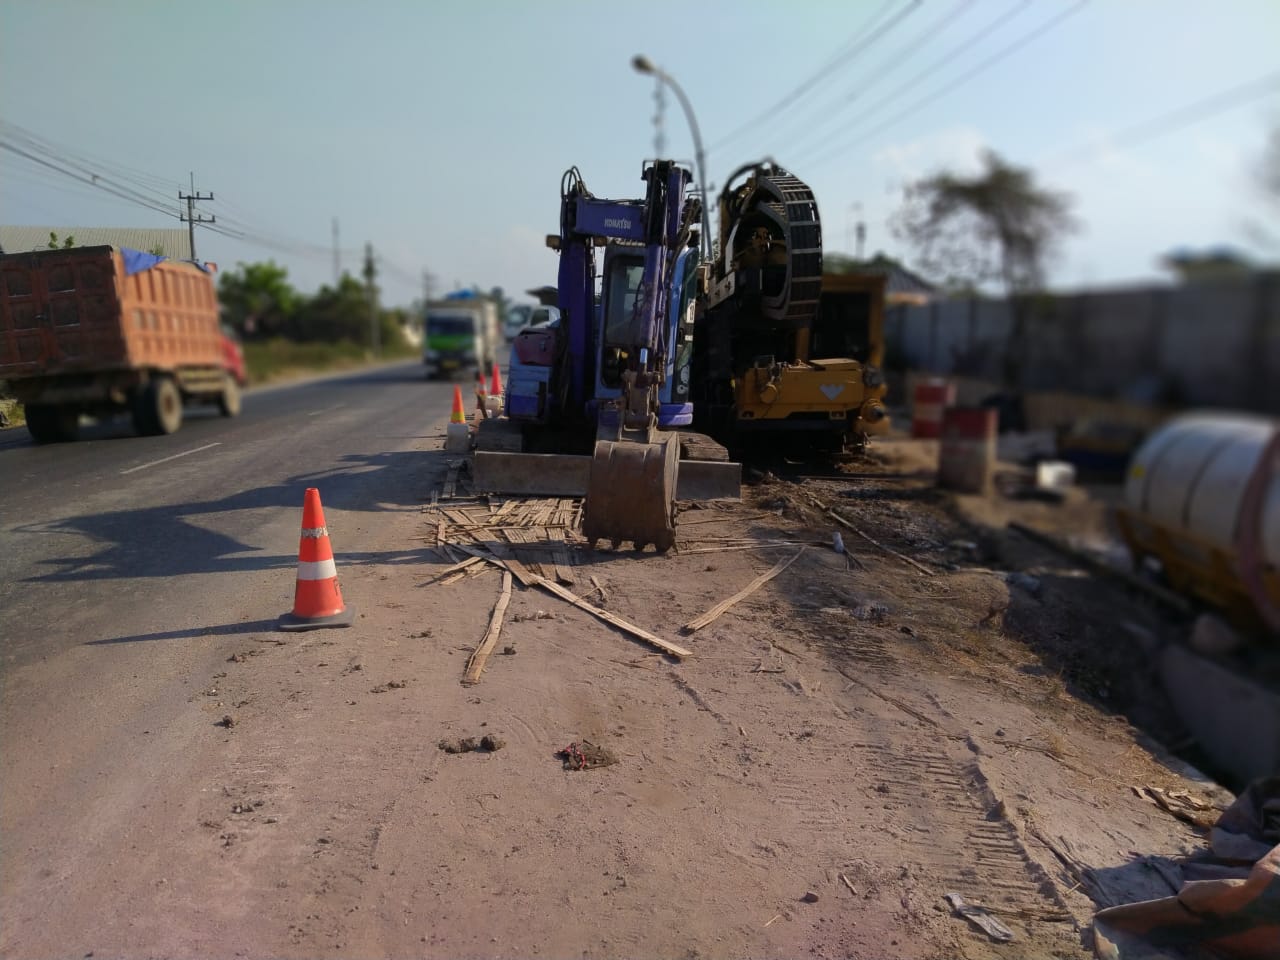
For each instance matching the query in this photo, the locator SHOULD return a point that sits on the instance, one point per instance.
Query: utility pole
(337, 257)
(428, 285)
(660, 106)
(859, 230)
(191, 219)
(370, 272)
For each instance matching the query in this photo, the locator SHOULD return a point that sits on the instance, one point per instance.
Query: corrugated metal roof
(175, 243)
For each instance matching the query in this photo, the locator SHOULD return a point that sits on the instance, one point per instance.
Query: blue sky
(438, 131)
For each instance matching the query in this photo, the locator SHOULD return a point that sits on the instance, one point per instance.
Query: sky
(438, 131)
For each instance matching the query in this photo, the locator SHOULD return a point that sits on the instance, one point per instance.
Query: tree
(1267, 177)
(66, 244)
(996, 226)
(258, 300)
(334, 313)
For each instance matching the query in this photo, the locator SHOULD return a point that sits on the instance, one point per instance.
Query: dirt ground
(853, 741)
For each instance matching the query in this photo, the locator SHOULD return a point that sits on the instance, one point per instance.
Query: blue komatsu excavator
(595, 401)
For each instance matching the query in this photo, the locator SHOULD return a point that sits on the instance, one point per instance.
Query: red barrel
(931, 399)
(967, 453)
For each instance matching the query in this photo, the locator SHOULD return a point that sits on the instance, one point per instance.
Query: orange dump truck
(106, 329)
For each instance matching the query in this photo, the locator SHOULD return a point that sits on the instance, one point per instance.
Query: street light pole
(643, 64)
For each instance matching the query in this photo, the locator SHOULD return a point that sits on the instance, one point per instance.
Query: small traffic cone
(317, 601)
(457, 438)
(493, 402)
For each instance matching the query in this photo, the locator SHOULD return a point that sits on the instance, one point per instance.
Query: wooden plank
(560, 556)
(440, 534)
(613, 620)
(520, 536)
(499, 556)
(477, 660)
(697, 623)
(456, 568)
(458, 517)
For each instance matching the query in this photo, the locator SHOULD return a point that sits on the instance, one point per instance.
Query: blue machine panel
(610, 218)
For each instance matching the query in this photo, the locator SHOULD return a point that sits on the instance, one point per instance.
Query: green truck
(460, 334)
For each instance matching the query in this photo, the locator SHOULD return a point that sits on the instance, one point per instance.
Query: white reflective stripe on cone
(317, 569)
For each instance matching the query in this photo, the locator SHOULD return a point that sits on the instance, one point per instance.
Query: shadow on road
(176, 539)
(223, 630)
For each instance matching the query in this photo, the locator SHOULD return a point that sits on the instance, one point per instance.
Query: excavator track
(787, 204)
(795, 211)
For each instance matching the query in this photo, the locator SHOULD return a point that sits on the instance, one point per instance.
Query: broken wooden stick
(456, 568)
(697, 623)
(613, 620)
(604, 596)
(871, 540)
(980, 918)
(476, 662)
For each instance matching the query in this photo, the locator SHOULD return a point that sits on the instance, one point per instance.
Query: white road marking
(155, 463)
(326, 410)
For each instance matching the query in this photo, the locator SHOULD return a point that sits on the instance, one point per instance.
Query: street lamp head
(642, 64)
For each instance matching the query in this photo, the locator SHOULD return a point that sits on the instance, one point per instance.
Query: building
(172, 243)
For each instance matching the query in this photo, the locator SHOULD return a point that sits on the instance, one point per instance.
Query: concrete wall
(1204, 345)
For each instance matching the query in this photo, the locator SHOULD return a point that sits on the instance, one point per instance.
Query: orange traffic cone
(457, 438)
(495, 387)
(317, 601)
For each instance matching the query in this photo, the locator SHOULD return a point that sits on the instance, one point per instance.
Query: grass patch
(11, 413)
(281, 359)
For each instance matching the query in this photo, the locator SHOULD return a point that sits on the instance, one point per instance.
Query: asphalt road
(120, 538)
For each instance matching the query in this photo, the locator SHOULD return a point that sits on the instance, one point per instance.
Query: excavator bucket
(631, 494)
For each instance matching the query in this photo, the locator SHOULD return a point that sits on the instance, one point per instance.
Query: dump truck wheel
(229, 399)
(52, 424)
(158, 409)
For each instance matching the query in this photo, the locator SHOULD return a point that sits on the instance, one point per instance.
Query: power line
(100, 182)
(81, 161)
(947, 59)
(1003, 54)
(47, 156)
(1176, 119)
(899, 58)
(848, 51)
